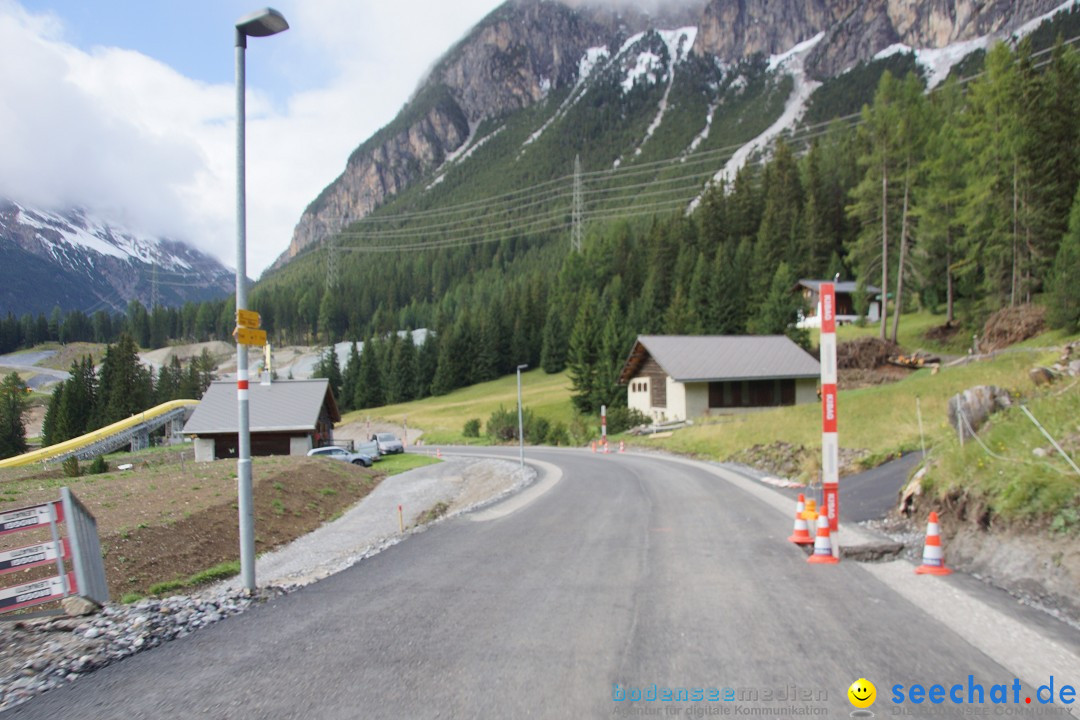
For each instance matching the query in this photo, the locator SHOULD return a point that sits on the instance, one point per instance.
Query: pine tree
(369, 388)
(403, 372)
(427, 363)
(583, 356)
(49, 425)
(780, 310)
(350, 378)
(1064, 300)
(126, 386)
(13, 404)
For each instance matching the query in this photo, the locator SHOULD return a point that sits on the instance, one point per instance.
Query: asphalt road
(871, 494)
(630, 570)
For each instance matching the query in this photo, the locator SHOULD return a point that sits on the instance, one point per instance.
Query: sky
(128, 108)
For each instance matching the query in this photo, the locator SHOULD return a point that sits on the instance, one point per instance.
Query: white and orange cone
(622, 446)
(933, 559)
(593, 445)
(822, 544)
(438, 453)
(606, 450)
(801, 534)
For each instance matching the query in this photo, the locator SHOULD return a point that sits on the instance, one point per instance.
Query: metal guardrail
(85, 549)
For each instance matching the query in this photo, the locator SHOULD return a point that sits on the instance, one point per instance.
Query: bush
(472, 428)
(558, 435)
(621, 419)
(71, 467)
(502, 426)
(98, 466)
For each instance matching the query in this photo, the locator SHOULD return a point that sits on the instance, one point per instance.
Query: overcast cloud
(137, 142)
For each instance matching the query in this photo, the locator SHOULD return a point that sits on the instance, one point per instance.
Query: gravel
(40, 654)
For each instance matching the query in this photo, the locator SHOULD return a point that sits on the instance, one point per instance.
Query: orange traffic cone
(822, 544)
(622, 446)
(933, 560)
(801, 534)
(606, 450)
(593, 445)
(438, 453)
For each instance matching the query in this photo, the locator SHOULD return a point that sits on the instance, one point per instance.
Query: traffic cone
(933, 560)
(438, 453)
(593, 445)
(622, 446)
(606, 450)
(822, 545)
(801, 534)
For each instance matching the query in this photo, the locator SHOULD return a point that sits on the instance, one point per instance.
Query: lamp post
(257, 24)
(521, 430)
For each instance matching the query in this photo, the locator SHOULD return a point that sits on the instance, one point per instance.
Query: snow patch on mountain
(678, 43)
(80, 230)
(938, 62)
(592, 59)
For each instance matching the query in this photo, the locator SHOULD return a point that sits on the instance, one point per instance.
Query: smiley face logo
(862, 693)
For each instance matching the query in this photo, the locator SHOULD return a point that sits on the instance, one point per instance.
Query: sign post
(830, 447)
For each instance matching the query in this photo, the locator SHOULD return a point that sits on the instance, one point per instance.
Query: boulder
(974, 406)
(75, 606)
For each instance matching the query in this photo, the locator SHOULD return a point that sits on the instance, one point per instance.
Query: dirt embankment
(167, 518)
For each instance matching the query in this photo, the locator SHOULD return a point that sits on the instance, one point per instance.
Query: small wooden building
(845, 302)
(286, 417)
(680, 377)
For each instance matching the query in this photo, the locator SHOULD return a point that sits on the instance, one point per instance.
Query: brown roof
(703, 358)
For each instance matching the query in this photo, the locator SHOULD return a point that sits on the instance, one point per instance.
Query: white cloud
(134, 140)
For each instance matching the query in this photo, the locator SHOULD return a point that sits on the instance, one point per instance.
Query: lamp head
(261, 23)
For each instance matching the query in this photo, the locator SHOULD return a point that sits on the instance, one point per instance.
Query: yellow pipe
(52, 451)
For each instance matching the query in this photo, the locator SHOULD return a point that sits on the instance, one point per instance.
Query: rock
(969, 410)
(1074, 368)
(91, 633)
(1040, 452)
(76, 606)
(1041, 375)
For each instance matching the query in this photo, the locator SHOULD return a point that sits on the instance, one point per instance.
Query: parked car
(388, 443)
(340, 453)
(369, 448)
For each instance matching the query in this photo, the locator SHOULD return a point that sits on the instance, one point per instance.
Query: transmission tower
(576, 211)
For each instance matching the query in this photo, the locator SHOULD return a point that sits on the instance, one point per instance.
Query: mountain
(79, 262)
(528, 57)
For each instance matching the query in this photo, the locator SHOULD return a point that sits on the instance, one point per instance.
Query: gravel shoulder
(453, 486)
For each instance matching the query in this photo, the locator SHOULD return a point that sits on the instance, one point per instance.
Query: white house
(681, 377)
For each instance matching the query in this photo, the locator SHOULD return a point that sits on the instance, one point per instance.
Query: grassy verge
(395, 464)
(443, 418)
(882, 419)
(221, 571)
(1015, 473)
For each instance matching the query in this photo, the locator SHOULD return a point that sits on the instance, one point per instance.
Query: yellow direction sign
(248, 319)
(249, 336)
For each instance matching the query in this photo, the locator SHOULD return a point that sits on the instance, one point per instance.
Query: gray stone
(76, 606)
(969, 410)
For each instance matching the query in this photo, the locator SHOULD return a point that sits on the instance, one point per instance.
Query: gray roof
(844, 286)
(283, 406)
(701, 358)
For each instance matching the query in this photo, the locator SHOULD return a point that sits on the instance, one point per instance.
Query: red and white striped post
(603, 425)
(830, 446)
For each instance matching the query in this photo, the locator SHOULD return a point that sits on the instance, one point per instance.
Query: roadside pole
(830, 445)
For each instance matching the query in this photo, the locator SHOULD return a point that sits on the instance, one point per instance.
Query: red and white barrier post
(830, 445)
(603, 426)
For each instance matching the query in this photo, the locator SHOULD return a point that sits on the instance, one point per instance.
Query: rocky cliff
(527, 48)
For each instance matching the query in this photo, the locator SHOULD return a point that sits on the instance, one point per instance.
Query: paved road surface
(630, 570)
(870, 495)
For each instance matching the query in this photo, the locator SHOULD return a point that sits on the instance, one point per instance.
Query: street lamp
(257, 24)
(521, 431)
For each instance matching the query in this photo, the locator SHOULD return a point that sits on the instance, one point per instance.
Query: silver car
(388, 443)
(339, 453)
